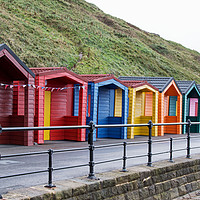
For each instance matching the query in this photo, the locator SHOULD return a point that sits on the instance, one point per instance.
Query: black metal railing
(91, 148)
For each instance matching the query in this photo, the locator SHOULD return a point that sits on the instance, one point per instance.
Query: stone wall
(163, 181)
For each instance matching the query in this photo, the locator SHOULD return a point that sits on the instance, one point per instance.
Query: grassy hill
(46, 33)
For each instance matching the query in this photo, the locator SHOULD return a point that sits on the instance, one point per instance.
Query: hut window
(193, 107)
(118, 103)
(112, 100)
(172, 105)
(148, 104)
(89, 105)
(76, 100)
(89, 101)
(18, 98)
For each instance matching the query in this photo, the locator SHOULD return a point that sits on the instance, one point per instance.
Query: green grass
(49, 33)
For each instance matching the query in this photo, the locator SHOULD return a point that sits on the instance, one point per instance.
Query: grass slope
(46, 33)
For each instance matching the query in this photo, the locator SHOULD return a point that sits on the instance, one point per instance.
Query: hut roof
(184, 86)
(4, 46)
(53, 70)
(134, 84)
(159, 82)
(97, 78)
(198, 86)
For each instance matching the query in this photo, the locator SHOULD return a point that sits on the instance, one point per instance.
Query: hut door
(47, 110)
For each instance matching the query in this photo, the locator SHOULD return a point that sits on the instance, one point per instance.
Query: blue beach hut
(191, 105)
(107, 104)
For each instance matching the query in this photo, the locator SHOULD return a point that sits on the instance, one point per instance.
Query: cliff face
(78, 35)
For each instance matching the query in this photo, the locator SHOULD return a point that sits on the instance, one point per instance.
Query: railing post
(150, 144)
(124, 158)
(50, 169)
(188, 139)
(171, 150)
(91, 149)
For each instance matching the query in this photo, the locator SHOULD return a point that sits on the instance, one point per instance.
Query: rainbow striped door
(47, 111)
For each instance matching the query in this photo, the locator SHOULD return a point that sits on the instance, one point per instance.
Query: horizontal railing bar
(140, 156)
(119, 125)
(160, 140)
(69, 167)
(163, 152)
(142, 142)
(195, 122)
(107, 161)
(43, 128)
(194, 147)
(108, 145)
(23, 154)
(27, 173)
(195, 137)
(175, 150)
(87, 126)
(180, 138)
(169, 124)
(74, 149)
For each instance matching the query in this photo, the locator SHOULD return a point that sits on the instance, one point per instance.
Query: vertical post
(124, 158)
(50, 169)
(171, 150)
(91, 149)
(150, 144)
(188, 139)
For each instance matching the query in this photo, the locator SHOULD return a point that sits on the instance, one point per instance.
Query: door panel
(47, 111)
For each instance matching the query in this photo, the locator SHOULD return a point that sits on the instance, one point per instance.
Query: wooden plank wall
(29, 111)
(82, 112)
(6, 106)
(103, 111)
(39, 109)
(114, 132)
(131, 116)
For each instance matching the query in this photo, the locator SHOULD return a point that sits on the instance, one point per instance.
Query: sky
(175, 20)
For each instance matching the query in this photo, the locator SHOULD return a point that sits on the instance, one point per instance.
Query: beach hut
(191, 107)
(17, 98)
(107, 104)
(143, 106)
(61, 100)
(169, 102)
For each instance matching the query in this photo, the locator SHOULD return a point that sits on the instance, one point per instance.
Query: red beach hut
(17, 98)
(61, 100)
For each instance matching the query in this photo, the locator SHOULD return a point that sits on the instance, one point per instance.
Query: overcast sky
(176, 20)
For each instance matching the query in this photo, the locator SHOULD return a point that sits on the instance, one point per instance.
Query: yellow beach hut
(143, 106)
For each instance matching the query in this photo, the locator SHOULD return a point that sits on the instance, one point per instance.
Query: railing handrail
(87, 126)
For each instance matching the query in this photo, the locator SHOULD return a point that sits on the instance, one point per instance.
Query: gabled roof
(4, 46)
(53, 70)
(159, 82)
(38, 70)
(198, 86)
(97, 78)
(134, 84)
(184, 86)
